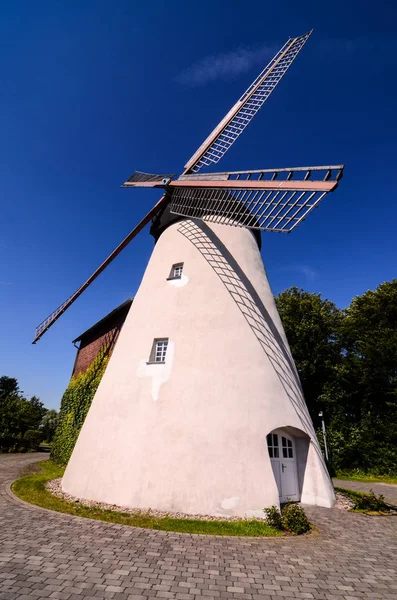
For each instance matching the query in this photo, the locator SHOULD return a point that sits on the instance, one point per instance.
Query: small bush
(372, 502)
(294, 519)
(31, 439)
(365, 501)
(273, 517)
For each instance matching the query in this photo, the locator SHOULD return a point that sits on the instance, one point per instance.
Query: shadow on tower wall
(255, 313)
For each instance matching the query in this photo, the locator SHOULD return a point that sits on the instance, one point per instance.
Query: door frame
(277, 462)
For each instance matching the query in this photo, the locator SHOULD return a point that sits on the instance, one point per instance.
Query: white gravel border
(343, 502)
(54, 486)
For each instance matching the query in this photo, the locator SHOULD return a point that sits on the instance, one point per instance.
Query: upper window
(159, 350)
(272, 445)
(287, 448)
(176, 271)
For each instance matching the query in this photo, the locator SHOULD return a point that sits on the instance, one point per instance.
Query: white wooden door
(281, 449)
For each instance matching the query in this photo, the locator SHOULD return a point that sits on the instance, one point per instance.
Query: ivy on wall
(75, 404)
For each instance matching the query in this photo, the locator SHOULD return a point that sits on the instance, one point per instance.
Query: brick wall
(105, 333)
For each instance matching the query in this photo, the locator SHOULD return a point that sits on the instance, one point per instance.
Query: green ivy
(75, 404)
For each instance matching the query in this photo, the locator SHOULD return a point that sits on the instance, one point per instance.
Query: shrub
(372, 502)
(273, 517)
(365, 501)
(294, 519)
(31, 439)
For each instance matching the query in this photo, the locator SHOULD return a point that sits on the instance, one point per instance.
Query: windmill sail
(141, 179)
(270, 200)
(248, 199)
(233, 124)
(54, 316)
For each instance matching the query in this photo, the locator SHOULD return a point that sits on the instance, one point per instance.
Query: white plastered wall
(190, 435)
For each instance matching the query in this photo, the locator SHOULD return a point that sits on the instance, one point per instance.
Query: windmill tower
(201, 402)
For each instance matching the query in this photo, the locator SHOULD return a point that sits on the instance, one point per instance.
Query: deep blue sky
(91, 90)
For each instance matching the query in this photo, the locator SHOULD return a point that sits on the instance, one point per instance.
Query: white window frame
(176, 271)
(159, 351)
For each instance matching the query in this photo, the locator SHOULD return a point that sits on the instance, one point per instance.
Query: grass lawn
(31, 489)
(365, 477)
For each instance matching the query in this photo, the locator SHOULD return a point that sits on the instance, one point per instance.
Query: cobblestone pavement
(51, 555)
(387, 489)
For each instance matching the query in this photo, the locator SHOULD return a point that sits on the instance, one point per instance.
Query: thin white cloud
(308, 272)
(224, 66)
(229, 65)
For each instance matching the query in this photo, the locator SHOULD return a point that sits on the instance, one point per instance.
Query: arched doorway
(282, 453)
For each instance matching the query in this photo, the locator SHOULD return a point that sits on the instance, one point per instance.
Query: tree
(9, 387)
(364, 391)
(370, 331)
(32, 413)
(347, 362)
(17, 415)
(49, 424)
(312, 326)
(10, 408)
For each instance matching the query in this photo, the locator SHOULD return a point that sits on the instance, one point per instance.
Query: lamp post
(321, 415)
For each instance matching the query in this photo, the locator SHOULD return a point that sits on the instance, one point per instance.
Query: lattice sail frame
(142, 179)
(241, 114)
(268, 199)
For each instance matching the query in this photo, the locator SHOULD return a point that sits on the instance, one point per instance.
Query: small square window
(159, 350)
(176, 271)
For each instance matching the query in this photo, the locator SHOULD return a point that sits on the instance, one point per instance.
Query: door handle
(283, 467)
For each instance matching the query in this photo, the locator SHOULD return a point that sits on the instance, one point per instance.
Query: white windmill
(200, 409)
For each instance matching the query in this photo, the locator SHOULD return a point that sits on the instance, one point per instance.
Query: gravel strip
(343, 502)
(54, 487)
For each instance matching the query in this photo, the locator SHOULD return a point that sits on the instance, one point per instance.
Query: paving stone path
(50, 555)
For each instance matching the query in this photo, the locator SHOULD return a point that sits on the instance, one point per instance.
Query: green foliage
(367, 502)
(31, 414)
(347, 364)
(49, 425)
(9, 387)
(31, 439)
(294, 519)
(31, 488)
(17, 415)
(312, 327)
(74, 408)
(367, 382)
(273, 517)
